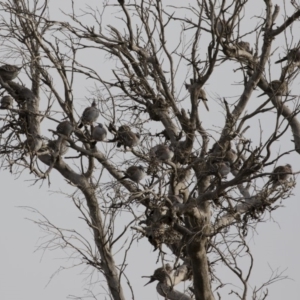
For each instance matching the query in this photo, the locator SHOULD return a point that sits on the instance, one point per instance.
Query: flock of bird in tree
(125, 137)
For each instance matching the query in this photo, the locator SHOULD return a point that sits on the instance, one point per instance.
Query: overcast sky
(29, 272)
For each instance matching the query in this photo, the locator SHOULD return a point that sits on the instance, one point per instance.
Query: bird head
(151, 280)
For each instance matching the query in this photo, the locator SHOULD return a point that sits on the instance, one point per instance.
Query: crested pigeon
(6, 102)
(281, 173)
(99, 133)
(135, 173)
(33, 144)
(126, 137)
(9, 72)
(162, 152)
(244, 46)
(89, 115)
(293, 55)
(277, 88)
(62, 144)
(65, 128)
(161, 274)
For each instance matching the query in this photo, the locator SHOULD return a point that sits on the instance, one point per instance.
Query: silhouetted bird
(277, 88)
(65, 128)
(89, 115)
(293, 55)
(161, 274)
(9, 72)
(134, 173)
(6, 102)
(281, 173)
(99, 133)
(161, 152)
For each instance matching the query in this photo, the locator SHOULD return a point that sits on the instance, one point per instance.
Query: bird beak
(150, 281)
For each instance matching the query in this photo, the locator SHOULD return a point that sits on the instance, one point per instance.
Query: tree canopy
(172, 124)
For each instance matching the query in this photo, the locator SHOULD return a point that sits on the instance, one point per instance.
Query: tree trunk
(197, 253)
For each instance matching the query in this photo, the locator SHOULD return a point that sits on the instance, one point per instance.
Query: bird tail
(280, 60)
(205, 104)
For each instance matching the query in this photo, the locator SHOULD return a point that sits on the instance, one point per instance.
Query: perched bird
(223, 168)
(99, 133)
(63, 146)
(9, 72)
(89, 115)
(244, 46)
(293, 55)
(162, 152)
(223, 29)
(277, 88)
(281, 173)
(6, 102)
(126, 137)
(161, 274)
(135, 173)
(65, 128)
(22, 93)
(33, 145)
(200, 92)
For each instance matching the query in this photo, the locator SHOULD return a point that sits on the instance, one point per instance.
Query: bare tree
(205, 188)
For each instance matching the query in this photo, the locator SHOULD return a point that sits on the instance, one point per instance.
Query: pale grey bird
(200, 92)
(6, 102)
(277, 88)
(126, 137)
(281, 173)
(65, 128)
(135, 173)
(62, 144)
(89, 115)
(162, 152)
(9, 72)
(223, 168)
(293, 55)
(99, 133)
